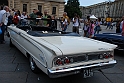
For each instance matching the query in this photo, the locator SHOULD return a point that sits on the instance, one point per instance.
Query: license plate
(87, 73)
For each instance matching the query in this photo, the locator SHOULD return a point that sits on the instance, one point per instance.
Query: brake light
(108, 55)
(66, 61)
(63, 61)
(58, 61)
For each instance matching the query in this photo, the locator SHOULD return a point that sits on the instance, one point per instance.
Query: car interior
(39, 31)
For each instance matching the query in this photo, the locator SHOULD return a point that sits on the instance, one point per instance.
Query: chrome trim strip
(113, 62)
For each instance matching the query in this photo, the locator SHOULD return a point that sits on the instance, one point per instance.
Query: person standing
(86, 26)
(122, 26)
(1, 14)
(4, 14)
(16, 19)
(97, 28)
(118, 26)
(52, 23)
(91, 29)
(46, 18)
(39, 21)
(10, 18)
(33, 15)
(76, 23)
(23, 18)
(65, 21)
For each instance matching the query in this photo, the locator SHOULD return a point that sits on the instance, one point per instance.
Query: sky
(90, 2)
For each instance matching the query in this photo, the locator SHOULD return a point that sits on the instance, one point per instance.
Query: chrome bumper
(78, 69)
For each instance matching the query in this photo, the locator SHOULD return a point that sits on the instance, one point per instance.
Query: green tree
(72, 7)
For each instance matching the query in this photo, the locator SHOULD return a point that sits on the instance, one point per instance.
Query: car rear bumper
(75, 70)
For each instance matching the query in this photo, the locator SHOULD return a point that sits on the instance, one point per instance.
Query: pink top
(91, 30)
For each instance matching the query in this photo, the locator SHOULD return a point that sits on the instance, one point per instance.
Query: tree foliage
(72, 7)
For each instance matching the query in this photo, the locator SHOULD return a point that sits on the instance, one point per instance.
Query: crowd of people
(11, 16)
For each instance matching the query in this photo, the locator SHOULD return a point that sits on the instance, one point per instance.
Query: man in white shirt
(1, 14)
(76, 24)
(3, 22)
(23, 20)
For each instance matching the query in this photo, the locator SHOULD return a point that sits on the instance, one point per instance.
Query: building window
(25, 7)
(54, 10)
(40, 8)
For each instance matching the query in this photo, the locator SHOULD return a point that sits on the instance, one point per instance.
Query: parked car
(113, 38)
(59, 53)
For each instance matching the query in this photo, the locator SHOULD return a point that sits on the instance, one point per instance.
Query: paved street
(14, 68)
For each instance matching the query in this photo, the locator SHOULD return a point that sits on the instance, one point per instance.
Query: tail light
(107, 55)
(66, 61)
(62, 61)
(110, 55)
(58, 61)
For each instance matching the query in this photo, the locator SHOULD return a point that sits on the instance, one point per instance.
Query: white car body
(46, 50)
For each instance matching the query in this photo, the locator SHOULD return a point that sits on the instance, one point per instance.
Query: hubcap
(32, 64)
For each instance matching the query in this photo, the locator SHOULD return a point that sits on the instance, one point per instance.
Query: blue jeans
(97, 29)
(3, 28)
(64, 27)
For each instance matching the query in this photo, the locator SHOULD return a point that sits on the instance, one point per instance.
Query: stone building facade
(54, 7)
(103, 10)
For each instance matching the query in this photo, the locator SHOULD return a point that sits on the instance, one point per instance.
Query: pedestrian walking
(65, 21)
(76, 23)
(108, 25)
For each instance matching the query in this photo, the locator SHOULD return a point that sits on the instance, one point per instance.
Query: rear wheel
(33, 66)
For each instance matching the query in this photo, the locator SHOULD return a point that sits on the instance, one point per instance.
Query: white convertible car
(59, 53)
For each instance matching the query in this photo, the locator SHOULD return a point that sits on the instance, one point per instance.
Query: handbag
(0, 31)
